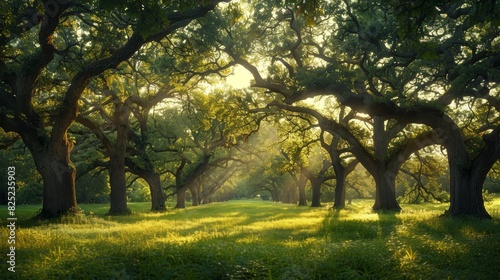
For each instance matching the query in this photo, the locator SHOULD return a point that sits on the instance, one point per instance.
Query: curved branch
(333, 127)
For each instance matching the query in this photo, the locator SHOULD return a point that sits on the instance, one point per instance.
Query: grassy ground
(256, 240)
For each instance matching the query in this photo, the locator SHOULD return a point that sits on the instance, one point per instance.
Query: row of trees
(411, 68)
(130, 88)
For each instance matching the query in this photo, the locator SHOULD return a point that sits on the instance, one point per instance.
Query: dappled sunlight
(236, 234)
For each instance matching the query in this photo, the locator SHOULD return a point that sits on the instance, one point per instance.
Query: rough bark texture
(181, 198)
(157, 194)
(58, 174)
(385, 180)
(467, 176)
(340, 170)
(52, 161)
(316, 193)
(117, 180)
(385, 196)
(339, 201)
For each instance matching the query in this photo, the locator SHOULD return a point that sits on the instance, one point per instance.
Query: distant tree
(342, 167)
(203, 133)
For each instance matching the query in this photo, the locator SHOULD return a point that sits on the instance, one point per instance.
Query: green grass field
(253, 239)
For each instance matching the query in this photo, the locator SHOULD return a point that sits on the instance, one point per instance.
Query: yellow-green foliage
(252, 239)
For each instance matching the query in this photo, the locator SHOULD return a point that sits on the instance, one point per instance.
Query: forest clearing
(254, 239)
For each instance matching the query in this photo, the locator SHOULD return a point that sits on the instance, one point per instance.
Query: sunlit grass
(258, 240)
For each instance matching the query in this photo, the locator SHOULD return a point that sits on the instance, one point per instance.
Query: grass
(256, 240)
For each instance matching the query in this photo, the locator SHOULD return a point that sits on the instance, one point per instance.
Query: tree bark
(385, 191)
(157, 194)
(153, 179)
(181, 197)
(117, 180)
(467, 176)
(195, 194)
(206, 198)
(316, 193)
(385, 180)
(58, 174)
(340, 170)
(468, 197)
(339, 187)
(52, 161)
(317, 181)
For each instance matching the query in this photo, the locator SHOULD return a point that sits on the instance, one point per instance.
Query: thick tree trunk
(117, 180)
(181, 198)
(52, 161)
(467, 176)
(153, 180)
(339, 188)
(385, 179)
(157, 194)
(316, 193)
(468, 197)
(58, 174)
(385, 191)
(465, 183)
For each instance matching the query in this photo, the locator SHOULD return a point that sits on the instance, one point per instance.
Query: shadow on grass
(347, 228)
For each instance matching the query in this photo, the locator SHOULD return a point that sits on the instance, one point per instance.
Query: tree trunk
(385, 191)
(206, 198)
(153, 180)
(52, 161)
(301, 184)
(157, 194)
(385, 179)
(468, 197)
(117, 181)
(181, 197)
(339, 188)
(58, 174)
(316, 193)
(467, 176)
(195, 194)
